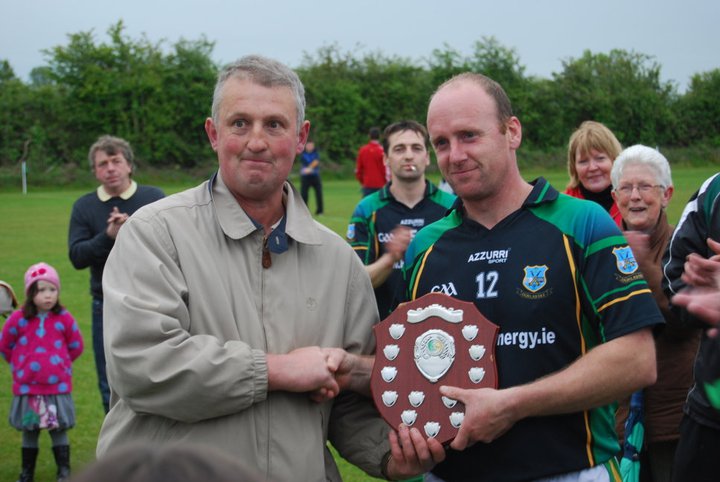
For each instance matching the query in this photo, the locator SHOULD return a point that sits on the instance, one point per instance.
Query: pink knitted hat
(41, 271)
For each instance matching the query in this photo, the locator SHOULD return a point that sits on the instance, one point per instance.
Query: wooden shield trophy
(431, 341)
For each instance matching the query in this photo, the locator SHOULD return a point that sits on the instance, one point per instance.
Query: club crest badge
(535, 278)
(625, 260)
(432, 341)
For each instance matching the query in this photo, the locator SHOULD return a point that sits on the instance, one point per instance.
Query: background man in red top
(370, 168)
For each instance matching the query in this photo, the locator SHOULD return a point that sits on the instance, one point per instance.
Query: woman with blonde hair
(591, 152)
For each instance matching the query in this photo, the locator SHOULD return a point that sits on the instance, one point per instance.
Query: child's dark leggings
(30, 438)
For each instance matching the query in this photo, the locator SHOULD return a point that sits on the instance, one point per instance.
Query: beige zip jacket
(190, 314)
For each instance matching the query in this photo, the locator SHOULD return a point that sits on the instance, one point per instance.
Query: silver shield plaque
(431, 341)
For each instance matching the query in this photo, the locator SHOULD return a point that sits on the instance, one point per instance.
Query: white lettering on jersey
(526, 340)
(387, 237)
(415, 223)
(446, 288)
(492, 256)
(486, 284)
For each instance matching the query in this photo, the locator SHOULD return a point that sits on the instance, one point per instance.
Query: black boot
(62, 460)
(29, 456)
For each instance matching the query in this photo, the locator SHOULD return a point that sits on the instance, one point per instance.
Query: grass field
(34, 228)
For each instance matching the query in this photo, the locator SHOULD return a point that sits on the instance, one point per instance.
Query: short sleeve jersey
(374, 219)
(558, 277)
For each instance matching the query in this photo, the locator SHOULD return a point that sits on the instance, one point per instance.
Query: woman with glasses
(591, 152)
(642, 188)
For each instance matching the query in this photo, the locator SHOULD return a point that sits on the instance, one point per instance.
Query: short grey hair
(642, 155)
(262, 71)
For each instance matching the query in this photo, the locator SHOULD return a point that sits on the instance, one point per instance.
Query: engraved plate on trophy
(431, 341)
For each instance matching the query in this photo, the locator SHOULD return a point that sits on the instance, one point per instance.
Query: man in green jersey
(556, 275)
(384, 222)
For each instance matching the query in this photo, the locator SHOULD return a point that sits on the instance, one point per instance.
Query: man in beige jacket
(226, 325)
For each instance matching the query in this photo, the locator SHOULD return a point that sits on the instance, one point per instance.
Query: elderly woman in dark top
(642, 189)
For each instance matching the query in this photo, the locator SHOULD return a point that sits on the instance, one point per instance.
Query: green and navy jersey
(558, 278)
(374, 219)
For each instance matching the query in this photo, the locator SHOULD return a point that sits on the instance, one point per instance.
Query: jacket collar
(236, 224)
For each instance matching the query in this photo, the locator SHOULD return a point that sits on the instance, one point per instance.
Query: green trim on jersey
(373, 222)
(422, 244)
(712, 390)
(365, 213)
(563, 215)
(709, 197)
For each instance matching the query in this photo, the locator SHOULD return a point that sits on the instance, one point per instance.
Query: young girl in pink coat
(40, 341)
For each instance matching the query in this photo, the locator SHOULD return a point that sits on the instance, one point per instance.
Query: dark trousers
(695, 457)
(307, 182)
(99, 350)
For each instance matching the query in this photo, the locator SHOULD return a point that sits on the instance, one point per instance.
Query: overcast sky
(682, 36)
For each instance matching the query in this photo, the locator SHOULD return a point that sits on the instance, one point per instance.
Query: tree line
(158, 98)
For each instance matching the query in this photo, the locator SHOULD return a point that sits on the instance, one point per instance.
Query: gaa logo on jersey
(535, 278)
(625, 260)
(351, 231)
